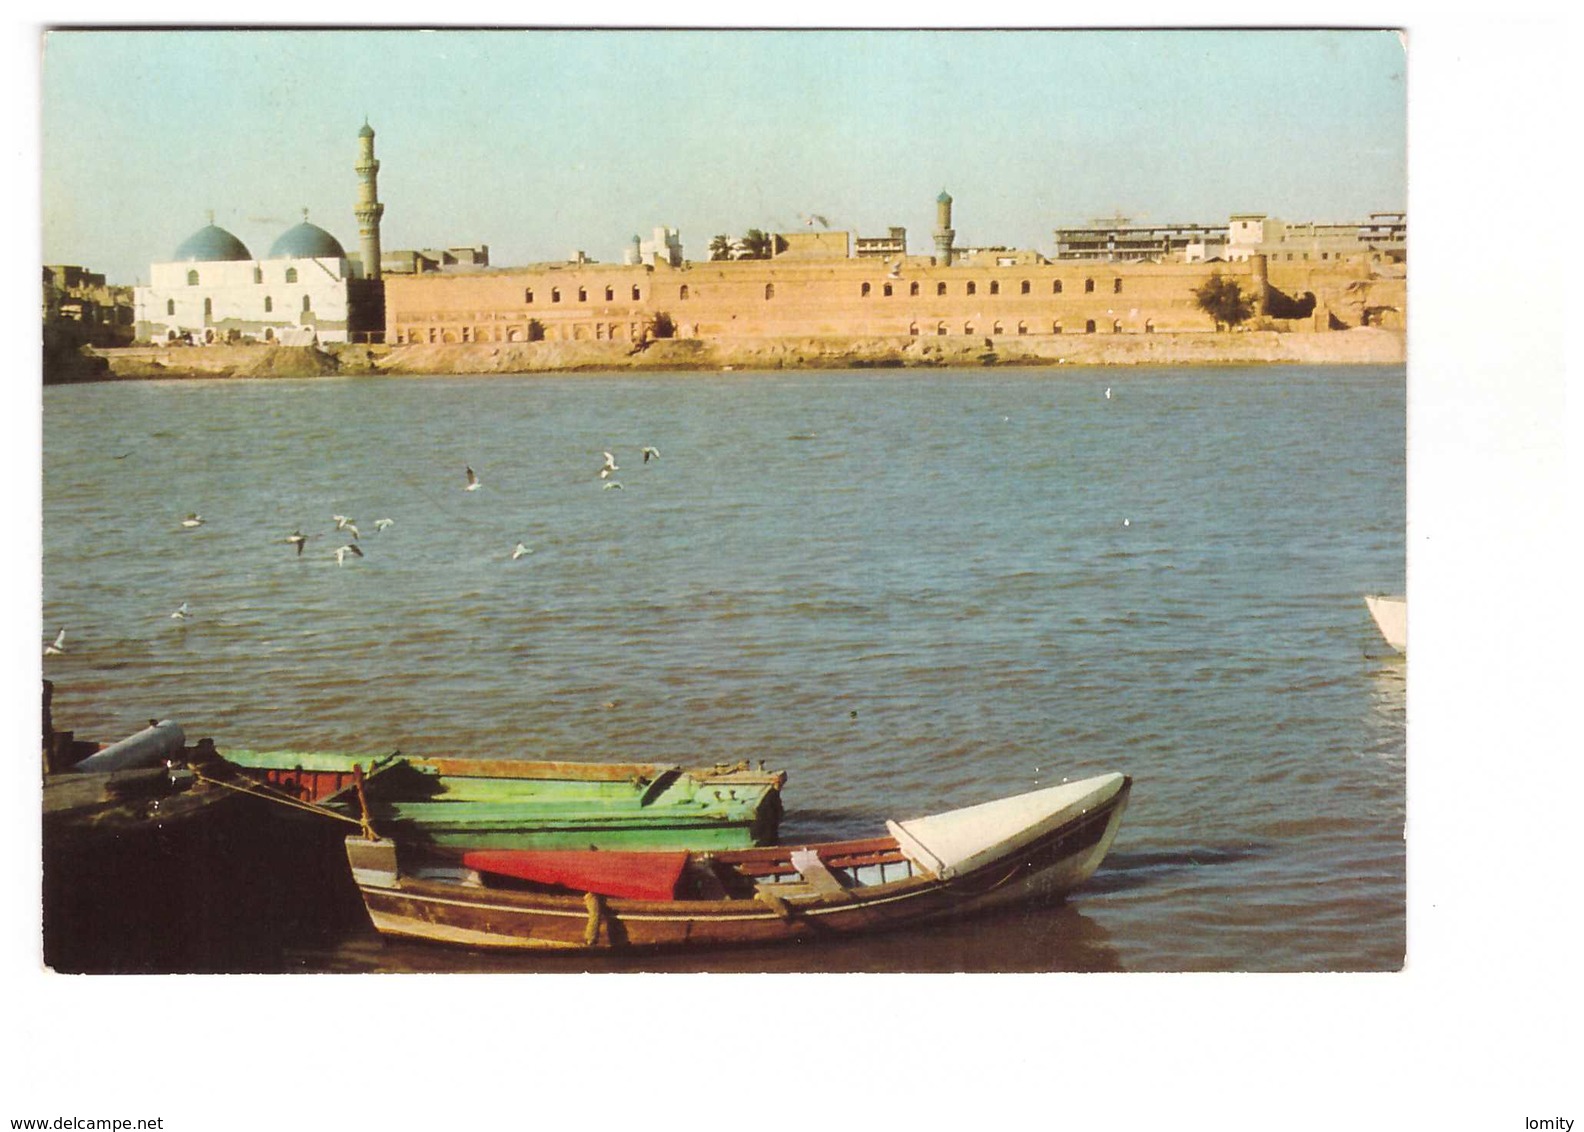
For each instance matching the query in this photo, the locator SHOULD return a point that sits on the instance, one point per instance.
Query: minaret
(369, 209)
(943, 229)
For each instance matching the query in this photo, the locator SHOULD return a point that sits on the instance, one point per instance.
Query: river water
(911, 591)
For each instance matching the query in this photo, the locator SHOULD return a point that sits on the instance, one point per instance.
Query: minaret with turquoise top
(369, 209)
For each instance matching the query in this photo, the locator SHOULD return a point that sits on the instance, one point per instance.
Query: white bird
(519, 550)
(381, 524)
(1127, 522)
(1108, 393)
(193, 520)
(473, 483)
(343, 551)
(181, 612)
(297, 539)
(649, 453)
(611, 484)
(609, 467)
(351, 529)
(58, 647)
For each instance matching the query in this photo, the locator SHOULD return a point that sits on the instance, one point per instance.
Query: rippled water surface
(912, 592)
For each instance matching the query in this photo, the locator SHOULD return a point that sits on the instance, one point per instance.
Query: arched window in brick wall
(1025, 288)
(1116, 286)
(995, 286)
(863, 291)
(635, 293)
(1116, 326)
(996, 329)
(1022, 328)
(1088, 286)
(940, 328)
(885, 289)
(582, 294)
(1056, 287)
(972, 287)
(291, 275)
(1089, 326)
(192, 279)
(1056, 328)
(555, 294)
(610, 294)
(527, 294)
(913, 289)
(940, 288)
(682, 292)
(769, 290)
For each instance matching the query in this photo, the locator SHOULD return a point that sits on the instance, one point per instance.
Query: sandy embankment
(1347, 347)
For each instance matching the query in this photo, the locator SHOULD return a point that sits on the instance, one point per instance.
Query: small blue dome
(306, 241)
(944, 198)
(367, 131)
(212, 243)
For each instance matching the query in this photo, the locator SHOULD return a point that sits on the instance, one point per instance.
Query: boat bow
(960, 841)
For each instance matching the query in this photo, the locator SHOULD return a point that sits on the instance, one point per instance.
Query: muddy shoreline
(1350, 347)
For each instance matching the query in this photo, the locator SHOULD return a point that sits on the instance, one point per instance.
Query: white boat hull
(1391, 617)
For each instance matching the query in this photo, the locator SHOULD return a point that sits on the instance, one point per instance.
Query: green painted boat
(521, 804)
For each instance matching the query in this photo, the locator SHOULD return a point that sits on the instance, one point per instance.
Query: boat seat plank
(816, 874)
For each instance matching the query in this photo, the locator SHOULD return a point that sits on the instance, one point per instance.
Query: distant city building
(81, 308)
(416, 261)
(894, 243)
(997, 256)
(665, 247)
(1119, 240)
(1383, 238)
(809, 244)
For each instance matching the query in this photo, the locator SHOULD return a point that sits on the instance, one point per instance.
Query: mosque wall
(264, 299)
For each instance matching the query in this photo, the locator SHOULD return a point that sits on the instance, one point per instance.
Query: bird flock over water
(346, 533)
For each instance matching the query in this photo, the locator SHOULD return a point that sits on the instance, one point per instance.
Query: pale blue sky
(538, 143)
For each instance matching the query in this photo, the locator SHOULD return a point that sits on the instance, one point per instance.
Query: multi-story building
(1381, 239)
(889, 246)
(1119, 240)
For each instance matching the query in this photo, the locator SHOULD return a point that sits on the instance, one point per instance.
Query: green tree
(722, 247)
(1223, 300)
(755, 244)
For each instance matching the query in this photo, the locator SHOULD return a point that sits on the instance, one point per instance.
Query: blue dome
(306, 241)
(944, 198)
(212, 243)
(367, 131)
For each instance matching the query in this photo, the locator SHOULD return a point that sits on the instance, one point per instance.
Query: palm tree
(755, 244)
(722, 247)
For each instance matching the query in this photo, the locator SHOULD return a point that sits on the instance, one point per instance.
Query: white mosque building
(307, 290)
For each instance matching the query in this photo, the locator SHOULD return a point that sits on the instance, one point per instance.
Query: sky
(542, 143)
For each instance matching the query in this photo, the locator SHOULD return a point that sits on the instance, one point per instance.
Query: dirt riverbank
(1347, 347)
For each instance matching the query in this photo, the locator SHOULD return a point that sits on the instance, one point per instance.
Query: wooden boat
(1391, 617)
(513, 804)
(1036, 845)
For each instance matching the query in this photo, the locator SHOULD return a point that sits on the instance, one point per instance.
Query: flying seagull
(609, 466)
(381, 524)
(181, 612)
(612, 483)
(1108, 393)
(519, 550)
(350, 529)
(58, 647)
(193, 519)
(651, 452)
(297, 539)
(343, 551)
(473, 483)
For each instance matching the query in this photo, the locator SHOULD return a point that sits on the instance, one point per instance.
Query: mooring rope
(257, 790)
